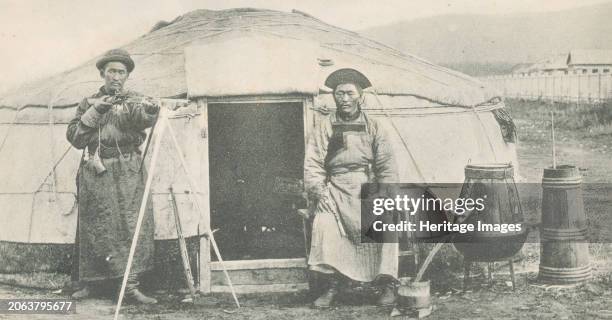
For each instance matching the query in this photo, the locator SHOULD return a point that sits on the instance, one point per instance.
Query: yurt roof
(163, 68)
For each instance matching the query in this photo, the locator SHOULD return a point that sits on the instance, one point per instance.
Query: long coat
(109, 202)
(336, 166)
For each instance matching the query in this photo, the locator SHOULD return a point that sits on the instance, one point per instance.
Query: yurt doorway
(256, 154)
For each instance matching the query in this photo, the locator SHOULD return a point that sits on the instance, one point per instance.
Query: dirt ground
(531, 300)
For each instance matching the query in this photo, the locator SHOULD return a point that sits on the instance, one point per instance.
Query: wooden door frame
(207, 267)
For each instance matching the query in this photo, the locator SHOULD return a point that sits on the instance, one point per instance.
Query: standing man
(345, 150)
(110, 127)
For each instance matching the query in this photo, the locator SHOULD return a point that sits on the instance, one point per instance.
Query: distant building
(589, 61)
(580, 61)
(553, 65)
(522, 69)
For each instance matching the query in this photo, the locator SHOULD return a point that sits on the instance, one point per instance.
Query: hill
(488, 40)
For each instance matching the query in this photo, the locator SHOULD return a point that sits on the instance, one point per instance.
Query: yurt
(254, 79)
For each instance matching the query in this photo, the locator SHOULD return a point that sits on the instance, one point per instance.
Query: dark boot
(82, 293)
(136, 296)
(327, 299)
(387, 298)
(133, 294)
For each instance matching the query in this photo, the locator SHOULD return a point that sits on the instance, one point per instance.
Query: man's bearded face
(347, 97)
(115, 74)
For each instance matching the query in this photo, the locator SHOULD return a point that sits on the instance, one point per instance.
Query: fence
(580, 88)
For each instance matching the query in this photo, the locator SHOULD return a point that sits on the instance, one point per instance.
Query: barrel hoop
(564, 234)
(567, 275)
(561, 181)
(561, 280)
(568, 270)
(489, 172)
(561, 187)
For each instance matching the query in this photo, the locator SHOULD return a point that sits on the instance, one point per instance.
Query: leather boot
(327, 299)
(81, 293)
(133, 294)
(387, 297)
(137, 296)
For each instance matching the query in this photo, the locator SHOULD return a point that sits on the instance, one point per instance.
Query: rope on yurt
(9, 129)
(416, 165)
(273, 33)
(53, 169)
(484, 130)
(52, 136)
(32, 205)
(176, 45)
(50, 106)
(52, 172)
(382, 63)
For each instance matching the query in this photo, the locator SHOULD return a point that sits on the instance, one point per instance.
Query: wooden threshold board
(258, 288)
(264, 275)
(258, 264)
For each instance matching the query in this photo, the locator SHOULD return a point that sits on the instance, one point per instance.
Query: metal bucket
(413, 295)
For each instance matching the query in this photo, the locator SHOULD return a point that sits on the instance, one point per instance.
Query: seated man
(336, 166)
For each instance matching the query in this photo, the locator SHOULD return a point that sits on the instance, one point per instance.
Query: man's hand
(151, 108)
(101, 104)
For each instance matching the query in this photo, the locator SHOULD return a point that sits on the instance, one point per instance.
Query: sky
(43, 37)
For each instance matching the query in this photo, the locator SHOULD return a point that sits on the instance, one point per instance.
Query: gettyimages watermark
(485, 212)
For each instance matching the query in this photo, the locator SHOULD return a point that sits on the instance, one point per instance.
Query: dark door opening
(256, 154)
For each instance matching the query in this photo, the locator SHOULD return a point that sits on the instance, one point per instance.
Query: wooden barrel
(494, 183)
(564, 250)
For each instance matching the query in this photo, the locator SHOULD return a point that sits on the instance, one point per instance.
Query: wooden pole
(204, 270)
(182, 245)
(197, 204)
(147, 143)
(554, 78)
(579, 91)
(143, 206)
(552, 127)
(599, 88)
